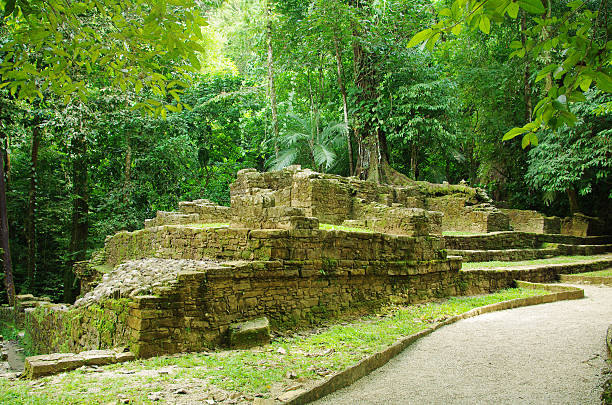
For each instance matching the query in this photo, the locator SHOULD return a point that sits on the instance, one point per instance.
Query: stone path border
(366, 366)
(55, 363)
(578, 279)
(606, 396)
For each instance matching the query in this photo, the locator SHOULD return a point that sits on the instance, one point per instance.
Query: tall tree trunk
(373, 161)
(572, 196)
(31, 217)
(545, 35)
(344, 103)
(4, 233)
(527, 85)
(271, 82)
(80, 208)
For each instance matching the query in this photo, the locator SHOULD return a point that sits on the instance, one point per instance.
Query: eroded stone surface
(244, 335)
(141, 277)
(48, 364)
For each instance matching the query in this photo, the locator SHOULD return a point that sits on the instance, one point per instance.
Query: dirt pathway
(546, 354)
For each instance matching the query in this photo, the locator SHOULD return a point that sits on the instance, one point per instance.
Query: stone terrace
(178, 285)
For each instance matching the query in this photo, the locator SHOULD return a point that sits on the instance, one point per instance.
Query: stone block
(248, 334)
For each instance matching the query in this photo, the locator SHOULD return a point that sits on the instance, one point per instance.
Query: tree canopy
(112, 110)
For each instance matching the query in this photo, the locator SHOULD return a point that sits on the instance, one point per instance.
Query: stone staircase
(519, 246)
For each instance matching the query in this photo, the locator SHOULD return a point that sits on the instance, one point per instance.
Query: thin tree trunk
(4, 234)
(271, 84)
(80, 207)
(127, 171)
(313, 119)
(344, 104)
(31, 217)
(414, 153)
(527, 85)
(572, 195)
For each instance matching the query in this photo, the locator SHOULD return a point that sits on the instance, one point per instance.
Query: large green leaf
(532, 6)
(420, 37)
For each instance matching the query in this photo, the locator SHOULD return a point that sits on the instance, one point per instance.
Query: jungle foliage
(111, 110)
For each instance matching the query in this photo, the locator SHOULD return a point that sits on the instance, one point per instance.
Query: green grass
(600, 273)
(460, 233)
(330, 227)
(9, 331)
(552, 260)
(212, 225)
(308, 356)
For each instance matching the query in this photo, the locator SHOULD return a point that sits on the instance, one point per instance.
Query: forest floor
(291, 363)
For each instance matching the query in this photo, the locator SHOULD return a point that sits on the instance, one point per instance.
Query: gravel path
(545, 354)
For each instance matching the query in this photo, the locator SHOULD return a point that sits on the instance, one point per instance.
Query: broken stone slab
(49, 364)
(244, 335)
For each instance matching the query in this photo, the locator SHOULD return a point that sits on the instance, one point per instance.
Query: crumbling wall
(335, 199)
(582, 225)
(173, 242)
(63, 328)
(206, 210)
(532, 221)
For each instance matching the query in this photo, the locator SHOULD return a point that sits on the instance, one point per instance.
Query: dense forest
(111, 110)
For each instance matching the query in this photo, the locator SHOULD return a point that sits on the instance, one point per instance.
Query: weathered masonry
(178, 284)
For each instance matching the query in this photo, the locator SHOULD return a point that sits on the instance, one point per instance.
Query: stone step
(518, 240)
(583, 250)
(505, 255)
(515, 255)
(547, 272)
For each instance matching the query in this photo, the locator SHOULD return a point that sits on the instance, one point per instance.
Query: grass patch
(330, 227)
(212, 225)
(308, 356)
(600, 273)
(9, 331)
(460, 233)
(552, 260)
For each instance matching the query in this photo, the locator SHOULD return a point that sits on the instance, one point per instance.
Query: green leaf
(446, 12)
(456, 30)
(485, 24)
(432, 41)
(526, 140)
(533, 139)
(542, 74)
(585, 83)
(512, 9)
(604, 82)
(575, 97)
(532, 6)
(420, 37)
(516, 45)
(514, 132)
(575, 4)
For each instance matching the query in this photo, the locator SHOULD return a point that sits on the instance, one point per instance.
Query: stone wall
(335, 199)
(195, 312)
(517, 240)
(195, 243)
(583, 225)
(532, 221)
(61, 328)
(192, 212)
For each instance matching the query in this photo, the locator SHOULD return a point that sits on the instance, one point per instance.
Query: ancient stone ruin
(192, 279)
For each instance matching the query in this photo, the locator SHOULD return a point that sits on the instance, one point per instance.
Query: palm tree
(302, 142)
